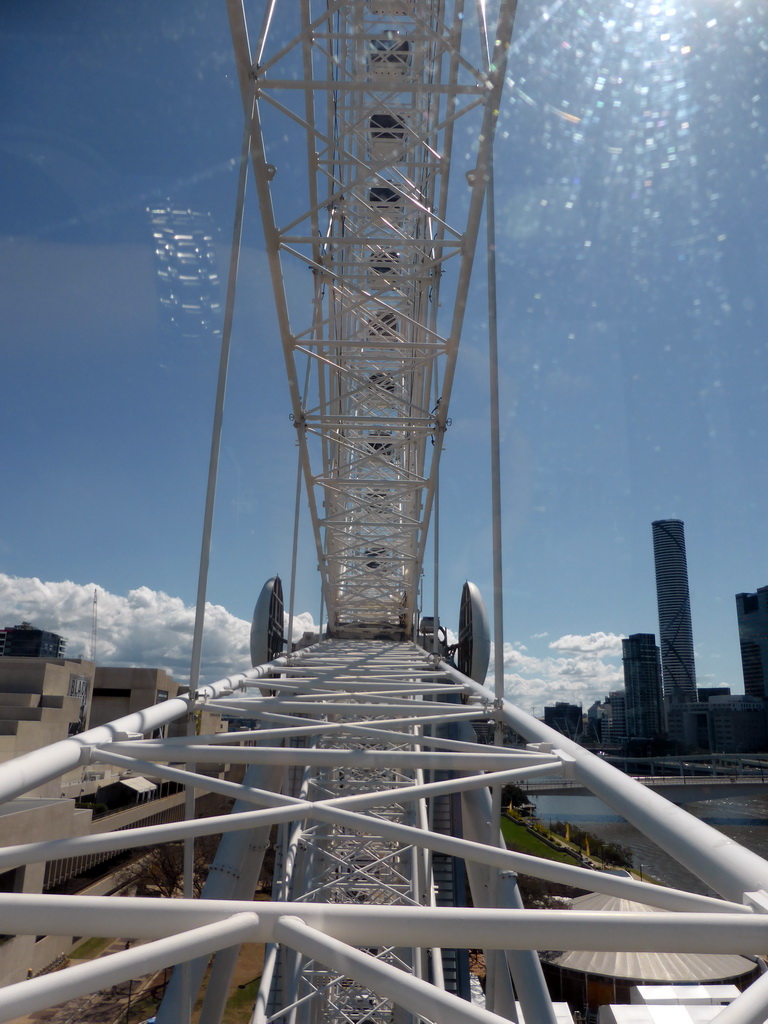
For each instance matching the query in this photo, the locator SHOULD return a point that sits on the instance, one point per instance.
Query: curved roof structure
(663, 968)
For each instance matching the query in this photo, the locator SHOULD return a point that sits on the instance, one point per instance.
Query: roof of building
(140, 785)
(662, 968)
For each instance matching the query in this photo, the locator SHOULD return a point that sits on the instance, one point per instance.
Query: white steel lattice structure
(380, 89)
(362, 748)
(371, 740)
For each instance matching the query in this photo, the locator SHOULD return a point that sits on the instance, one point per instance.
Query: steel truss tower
(364, 749)
(380, 89)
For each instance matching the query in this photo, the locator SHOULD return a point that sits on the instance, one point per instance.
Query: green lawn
(89, 949)
(518, 838)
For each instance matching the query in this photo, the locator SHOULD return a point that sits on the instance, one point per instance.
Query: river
(744, 820)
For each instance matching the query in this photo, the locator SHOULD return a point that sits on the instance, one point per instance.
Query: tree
(511, 794)
(160, 872)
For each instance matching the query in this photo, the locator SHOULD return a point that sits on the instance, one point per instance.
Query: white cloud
(146, 628)
(585, 671)
(593, 643)
(150, 628)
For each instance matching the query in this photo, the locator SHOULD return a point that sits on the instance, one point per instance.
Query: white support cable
(294, 555)
(445, 760)
(218, 415)
(278, 808)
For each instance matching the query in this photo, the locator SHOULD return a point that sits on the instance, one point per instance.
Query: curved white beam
(722, 863)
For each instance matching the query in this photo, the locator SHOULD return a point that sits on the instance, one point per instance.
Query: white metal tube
(723, 864)
(427, 759)
(31, 770)
(524, 964)
(279, 809)
(218, 413)
(553, 871)
(751, 1007)
(305, 705)
(421, 998)
(360, 801)
(294, 554)
(27, 997)
(33, 914)
(479, 825)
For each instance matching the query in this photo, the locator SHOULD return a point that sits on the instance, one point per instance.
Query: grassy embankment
(520, 839)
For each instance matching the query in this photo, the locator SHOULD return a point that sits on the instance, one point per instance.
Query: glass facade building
(752, 612)
(642, 686)
(675, 633)
(24, 641)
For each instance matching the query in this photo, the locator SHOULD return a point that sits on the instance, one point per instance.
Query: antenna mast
(94, 626)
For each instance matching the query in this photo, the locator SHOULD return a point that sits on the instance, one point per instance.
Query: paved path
(101, 1007)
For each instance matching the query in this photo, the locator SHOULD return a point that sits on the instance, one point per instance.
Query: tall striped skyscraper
(675, 633)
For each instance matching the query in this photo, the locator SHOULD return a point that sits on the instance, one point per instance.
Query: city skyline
(151, 628)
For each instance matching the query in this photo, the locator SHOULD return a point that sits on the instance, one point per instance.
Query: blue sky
(631, 191)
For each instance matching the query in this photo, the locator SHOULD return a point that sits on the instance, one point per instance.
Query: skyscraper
(566, 718)
(752, 612)
(642, 685)
(675, 633)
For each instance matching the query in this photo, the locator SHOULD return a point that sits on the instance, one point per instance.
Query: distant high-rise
(642, 686)
(615, 727)
(752, 611)
(566, 718)
(675, 633)
(24, 641)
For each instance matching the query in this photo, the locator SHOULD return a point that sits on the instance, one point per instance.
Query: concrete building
(705, 692)
(121, 691)
(642, 686)
(724, 724)
(594, 723)
(689, 726)
(615, 721)
(737, 724)
(675, 631)
(42, 700)
(752, 612)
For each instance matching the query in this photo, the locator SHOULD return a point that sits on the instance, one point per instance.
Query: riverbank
(744, 821)
(528, 835)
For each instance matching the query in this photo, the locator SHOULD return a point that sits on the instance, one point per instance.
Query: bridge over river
(680, 789)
